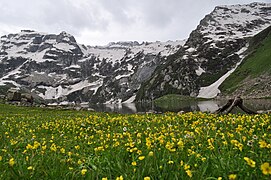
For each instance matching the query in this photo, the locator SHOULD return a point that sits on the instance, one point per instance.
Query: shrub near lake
(54, 144)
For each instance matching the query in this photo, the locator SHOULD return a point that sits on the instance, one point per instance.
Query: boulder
(27, 97)
(13, 95)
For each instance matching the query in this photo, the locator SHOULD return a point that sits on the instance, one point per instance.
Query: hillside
(212, 50)
(253, 77)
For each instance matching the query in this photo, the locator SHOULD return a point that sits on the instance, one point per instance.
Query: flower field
(53, 144)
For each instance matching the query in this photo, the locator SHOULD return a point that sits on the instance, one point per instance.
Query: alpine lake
(181, 106)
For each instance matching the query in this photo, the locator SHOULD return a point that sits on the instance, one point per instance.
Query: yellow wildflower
(134, 163)
(11, 162)
(104, 178)
(79, 162)
(189, 173)
(262, 144)
(170, 162)
(29, 146)
(53, 147)
(266, 168)
(147, 178)
(4, 150)
(250, 162)
(62, 150)
(141, 157)
(119, 178)
(232, 176)
(36, 145)
(150, 153)
(186, 167)
(1, 158)
(84, 171)
(77, 147)
(30, 168)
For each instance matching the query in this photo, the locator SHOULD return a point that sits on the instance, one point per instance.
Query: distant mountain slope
(58, 69)
(214, 48)
(253, 77)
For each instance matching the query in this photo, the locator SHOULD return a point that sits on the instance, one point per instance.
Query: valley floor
(52, 144)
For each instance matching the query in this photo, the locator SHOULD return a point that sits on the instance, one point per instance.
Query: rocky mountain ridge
(214, 48)
(58, 69)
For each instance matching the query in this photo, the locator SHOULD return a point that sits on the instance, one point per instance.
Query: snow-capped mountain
(57, 68)
(213, 50)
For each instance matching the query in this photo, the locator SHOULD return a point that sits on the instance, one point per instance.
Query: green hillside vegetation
(173, 98)
(176, 102)
(173, 102)
(257, 63)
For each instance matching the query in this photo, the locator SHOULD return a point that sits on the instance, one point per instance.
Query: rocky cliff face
(58, 69)
(213, 49)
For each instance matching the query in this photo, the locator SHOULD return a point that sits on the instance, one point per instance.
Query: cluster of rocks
(259, 87)
(15, 96)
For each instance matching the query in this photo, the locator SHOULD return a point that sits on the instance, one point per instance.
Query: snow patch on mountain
(237, 21)
(60, 91)
(212, 90)
(115, 52)
(199, 71)
(130, 100)
(64, 47)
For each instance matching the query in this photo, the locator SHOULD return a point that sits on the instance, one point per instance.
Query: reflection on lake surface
(186, 106)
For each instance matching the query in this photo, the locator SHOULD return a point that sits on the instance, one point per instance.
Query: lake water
(186, 106)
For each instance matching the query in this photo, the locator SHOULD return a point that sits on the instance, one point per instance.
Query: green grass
(256, 64)
(173, 97)
(40, 143)
(173, 102)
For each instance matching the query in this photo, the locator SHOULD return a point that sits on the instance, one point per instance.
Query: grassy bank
(175, 102)
(55, 144)
(256, 64)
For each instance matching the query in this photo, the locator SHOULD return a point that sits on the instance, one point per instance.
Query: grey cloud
(145, 20)
(63, 14)
(119, 11)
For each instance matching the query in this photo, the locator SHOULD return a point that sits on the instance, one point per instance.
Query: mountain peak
(27, 31)
(65, 37)
(214, 48)
(123, 44)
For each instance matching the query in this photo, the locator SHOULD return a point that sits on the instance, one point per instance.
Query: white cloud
(101, 21)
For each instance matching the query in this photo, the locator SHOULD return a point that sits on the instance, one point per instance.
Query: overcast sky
(98, 22)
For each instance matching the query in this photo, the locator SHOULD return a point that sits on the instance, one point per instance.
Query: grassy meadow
(52, 144)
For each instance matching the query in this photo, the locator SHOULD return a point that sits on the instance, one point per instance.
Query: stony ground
(259, 87)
